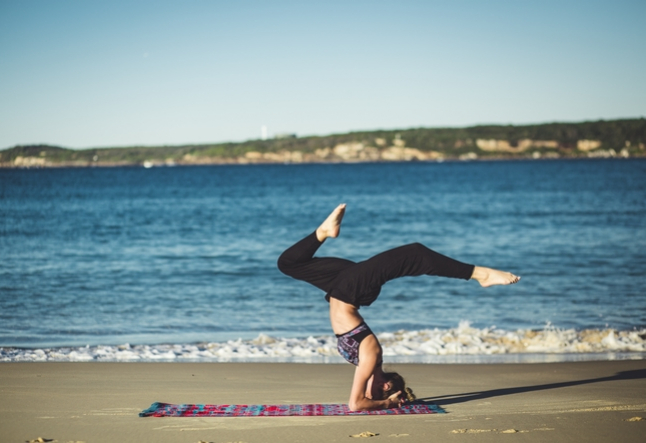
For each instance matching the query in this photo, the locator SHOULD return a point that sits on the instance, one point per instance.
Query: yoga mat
(171, 410)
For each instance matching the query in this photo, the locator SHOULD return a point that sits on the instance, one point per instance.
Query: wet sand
(100, 402)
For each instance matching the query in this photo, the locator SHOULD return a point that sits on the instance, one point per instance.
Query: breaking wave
(461, 344)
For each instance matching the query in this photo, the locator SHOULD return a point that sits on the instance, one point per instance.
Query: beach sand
(100, 402)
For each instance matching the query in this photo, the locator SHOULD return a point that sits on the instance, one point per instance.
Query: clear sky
(83, 74)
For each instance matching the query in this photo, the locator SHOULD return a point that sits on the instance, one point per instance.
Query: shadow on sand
(470, 396)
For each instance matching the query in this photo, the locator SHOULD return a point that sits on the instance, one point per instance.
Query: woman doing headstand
(349, 285)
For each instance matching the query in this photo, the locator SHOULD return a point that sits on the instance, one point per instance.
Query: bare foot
(492, 277)
(332, 224)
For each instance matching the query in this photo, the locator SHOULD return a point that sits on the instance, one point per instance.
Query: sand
(100, 402)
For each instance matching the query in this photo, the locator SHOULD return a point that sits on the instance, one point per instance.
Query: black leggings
(359, 283)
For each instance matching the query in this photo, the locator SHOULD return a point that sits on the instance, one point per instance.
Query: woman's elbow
(353, 406)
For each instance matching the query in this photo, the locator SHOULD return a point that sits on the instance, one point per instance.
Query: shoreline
(561, 402)
(243, 162)
(460, 359)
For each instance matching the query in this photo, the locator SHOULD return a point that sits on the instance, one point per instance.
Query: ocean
(179, 263)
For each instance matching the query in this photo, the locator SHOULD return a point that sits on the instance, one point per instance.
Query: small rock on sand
(364, 434)
(635, 419)
(471, 431)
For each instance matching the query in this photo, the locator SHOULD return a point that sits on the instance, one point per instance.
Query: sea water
(179, 263)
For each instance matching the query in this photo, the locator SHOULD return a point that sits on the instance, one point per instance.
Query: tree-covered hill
(624, 138)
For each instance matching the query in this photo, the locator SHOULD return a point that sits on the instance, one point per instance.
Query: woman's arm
(369, 358)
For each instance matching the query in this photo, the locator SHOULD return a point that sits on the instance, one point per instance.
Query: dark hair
(397, 385)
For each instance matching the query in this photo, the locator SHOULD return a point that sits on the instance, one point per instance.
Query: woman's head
(395, 383)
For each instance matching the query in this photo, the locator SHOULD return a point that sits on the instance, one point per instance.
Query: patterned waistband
(358, 330)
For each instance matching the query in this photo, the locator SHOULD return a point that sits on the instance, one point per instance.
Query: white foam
(464, 343)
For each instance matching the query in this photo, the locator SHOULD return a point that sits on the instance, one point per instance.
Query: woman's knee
(284, 264)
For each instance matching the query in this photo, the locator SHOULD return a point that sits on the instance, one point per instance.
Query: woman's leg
(299, 262)
(366, 278)
(416, 259)
(407, 261)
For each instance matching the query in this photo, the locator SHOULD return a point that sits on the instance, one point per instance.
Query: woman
(350, 285)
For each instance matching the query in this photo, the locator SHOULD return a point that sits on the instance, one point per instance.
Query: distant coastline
(624, 138)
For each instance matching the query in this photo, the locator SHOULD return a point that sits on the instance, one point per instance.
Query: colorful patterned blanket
(170, 410)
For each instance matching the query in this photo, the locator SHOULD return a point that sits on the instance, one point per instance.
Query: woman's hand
(394, 401)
